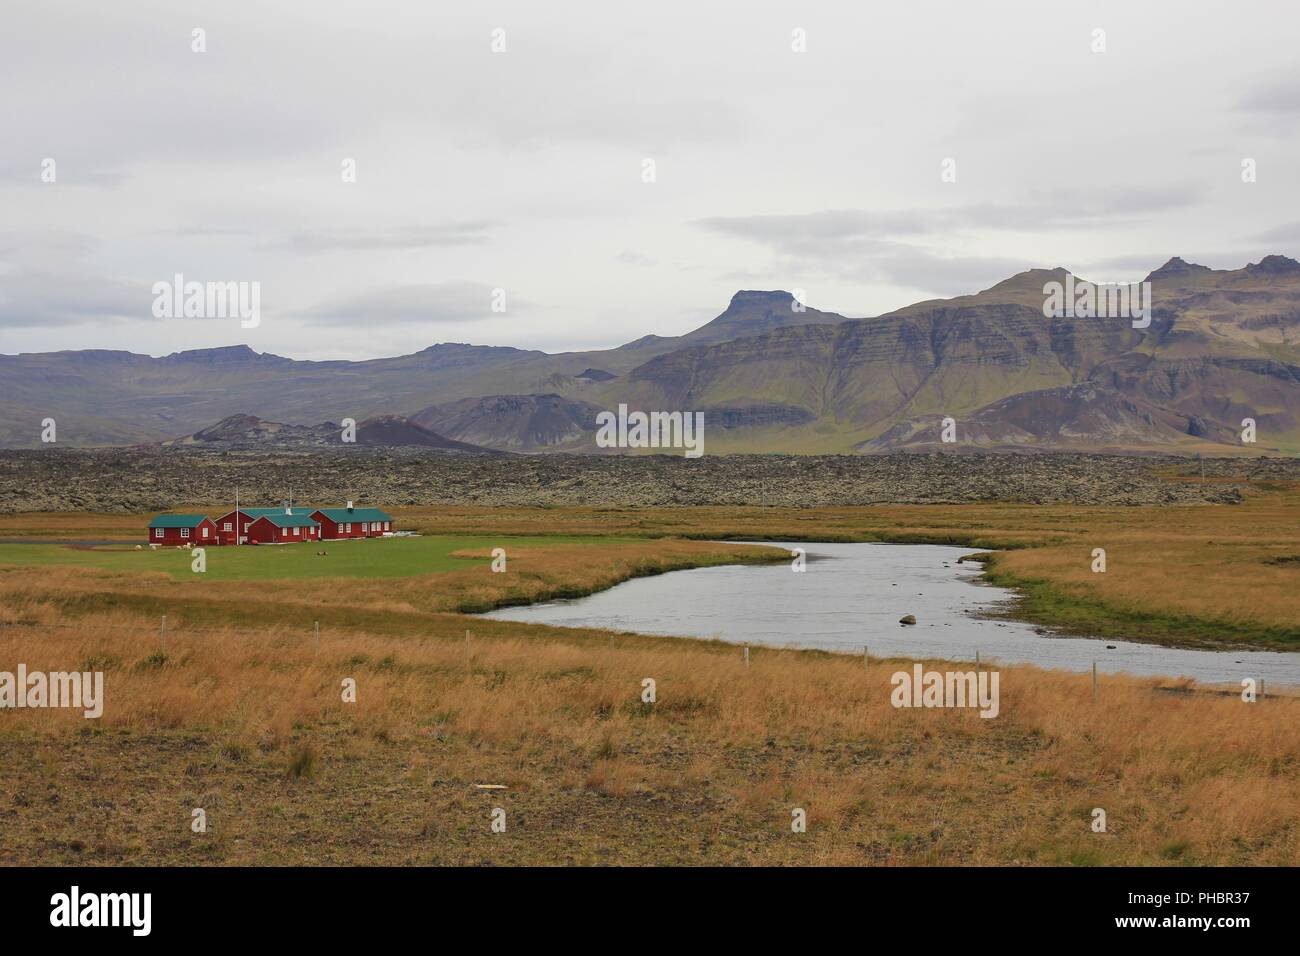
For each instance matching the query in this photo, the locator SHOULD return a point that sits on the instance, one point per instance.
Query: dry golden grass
(243, 716)
(252, 728)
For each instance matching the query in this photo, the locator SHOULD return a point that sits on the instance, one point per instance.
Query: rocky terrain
(248, 432)
(523, 423)
(112, 480)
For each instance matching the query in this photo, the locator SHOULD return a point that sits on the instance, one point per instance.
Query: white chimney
(349, 506)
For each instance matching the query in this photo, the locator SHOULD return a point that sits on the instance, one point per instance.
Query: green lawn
(360, 558)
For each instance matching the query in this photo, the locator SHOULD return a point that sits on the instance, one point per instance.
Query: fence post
(162, 634)
(1094, 682)
(317, 629)
(747, 653)
(864, 657)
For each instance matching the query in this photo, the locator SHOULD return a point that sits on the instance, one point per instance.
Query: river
(852, 595)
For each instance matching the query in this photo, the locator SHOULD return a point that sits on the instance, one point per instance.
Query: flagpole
(236, 517)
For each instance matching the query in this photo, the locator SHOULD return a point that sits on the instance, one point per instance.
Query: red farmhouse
(353, 522)
(182, 529)
(226, 523)
(281, 528)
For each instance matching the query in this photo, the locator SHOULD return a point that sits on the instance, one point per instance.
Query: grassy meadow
(238, 710)
(357, 558)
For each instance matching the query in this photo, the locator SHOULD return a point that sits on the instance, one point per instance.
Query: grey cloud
(73, 166)
(1061, 208)
(38, 299)
(832, 225)
(49, 279)
(423, 237)
(911, 247)
(1288, 233)
(630, 258)
(1075, 207)
(36, 249)
(442, 302)
(1282, 96)
(946, 275)
(1126, 265)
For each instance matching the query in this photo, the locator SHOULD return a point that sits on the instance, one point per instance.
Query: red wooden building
(350, 522)
(182, 530)
(227, 523)
(281, 528)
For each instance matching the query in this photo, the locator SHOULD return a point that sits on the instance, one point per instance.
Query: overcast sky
(524, 170)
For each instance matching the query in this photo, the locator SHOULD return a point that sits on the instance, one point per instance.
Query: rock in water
(907, 619)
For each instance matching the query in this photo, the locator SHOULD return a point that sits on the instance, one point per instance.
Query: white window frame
(365, 527)
(204, 529)
(295, 531)
(185, 532)
(157, 532)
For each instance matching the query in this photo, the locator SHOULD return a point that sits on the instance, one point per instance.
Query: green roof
(258, 512)
(356, 514)
(281, 520)
(177, 521)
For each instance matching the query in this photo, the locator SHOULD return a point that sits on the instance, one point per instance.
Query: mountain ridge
(1222, 346)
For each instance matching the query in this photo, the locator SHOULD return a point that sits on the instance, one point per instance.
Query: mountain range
(1222, 346)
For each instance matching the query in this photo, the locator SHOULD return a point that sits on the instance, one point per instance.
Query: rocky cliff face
(1222, 347)
(515, 422)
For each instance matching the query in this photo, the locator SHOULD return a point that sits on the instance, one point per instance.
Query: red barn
(227, 522)
(197, 530)
(353, 522)
(281, 528)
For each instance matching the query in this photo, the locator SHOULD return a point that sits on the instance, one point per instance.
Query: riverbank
(1219, 576)
(236, 707)
(854, 596)
(252, 726)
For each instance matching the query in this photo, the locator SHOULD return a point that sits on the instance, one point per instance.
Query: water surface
(854, 594)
